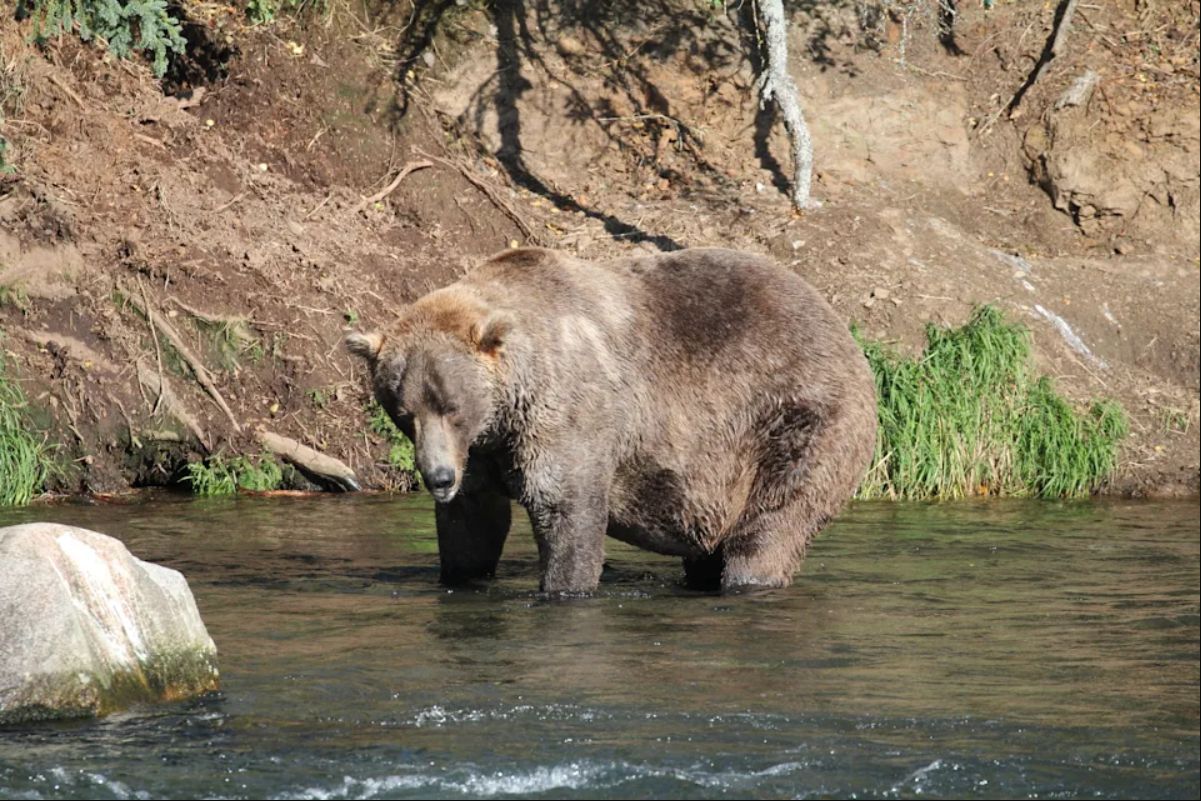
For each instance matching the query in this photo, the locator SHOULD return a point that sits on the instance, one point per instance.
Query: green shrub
(966, 417)
(263, 11)
(126, 26)
(5, 167)
(23, 457)
(221, 476)
(400, 449)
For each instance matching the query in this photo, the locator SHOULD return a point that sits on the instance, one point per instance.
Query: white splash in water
(917, 777)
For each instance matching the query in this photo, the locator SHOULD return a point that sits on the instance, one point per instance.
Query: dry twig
(489, 192)
(410, 167)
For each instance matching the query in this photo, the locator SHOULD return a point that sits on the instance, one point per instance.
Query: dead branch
(491, 193)
(209, 317)
(229, 203)
(67, 90)
(409, 167)
(157, 385)
(158, 353)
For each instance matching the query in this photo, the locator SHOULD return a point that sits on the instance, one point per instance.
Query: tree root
(203, 376)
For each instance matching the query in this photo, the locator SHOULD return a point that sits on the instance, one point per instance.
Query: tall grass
(23, 457)
(222, 476)
(967, 417)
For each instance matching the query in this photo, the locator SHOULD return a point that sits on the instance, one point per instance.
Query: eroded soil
(234, 204)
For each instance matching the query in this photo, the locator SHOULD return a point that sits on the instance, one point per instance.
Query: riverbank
(237, 208)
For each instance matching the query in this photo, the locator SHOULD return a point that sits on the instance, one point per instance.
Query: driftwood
(326, 469)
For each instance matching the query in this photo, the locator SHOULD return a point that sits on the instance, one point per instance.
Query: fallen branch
(408, 168)
(208, 317)
(229, 203)
(319, 206)
(489, 192)
(194, 364)
(150, 140)
(158, 353)
(324, 468)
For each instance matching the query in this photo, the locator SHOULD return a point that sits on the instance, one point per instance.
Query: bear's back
(732, 311)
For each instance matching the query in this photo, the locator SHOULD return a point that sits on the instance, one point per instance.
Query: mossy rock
(89, 629)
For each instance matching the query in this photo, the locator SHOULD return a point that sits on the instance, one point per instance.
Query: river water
(978, 649)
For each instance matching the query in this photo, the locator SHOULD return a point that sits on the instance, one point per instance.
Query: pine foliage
(126, 26)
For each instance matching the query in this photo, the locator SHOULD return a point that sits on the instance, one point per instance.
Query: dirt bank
(234, 209)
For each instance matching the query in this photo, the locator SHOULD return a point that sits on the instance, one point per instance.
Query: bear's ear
(490, 333)
(365, 346)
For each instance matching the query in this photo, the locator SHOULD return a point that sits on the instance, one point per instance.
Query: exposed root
(489, 192)
(158, 386)
(408, 168)
(194, 363)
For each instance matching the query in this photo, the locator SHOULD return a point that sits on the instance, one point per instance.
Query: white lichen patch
(88, 628)
(106, 600)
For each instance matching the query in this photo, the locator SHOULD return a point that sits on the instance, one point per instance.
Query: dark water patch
(968, 650)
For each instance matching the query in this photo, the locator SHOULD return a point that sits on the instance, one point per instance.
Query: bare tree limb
(319, 465)
(776, 83)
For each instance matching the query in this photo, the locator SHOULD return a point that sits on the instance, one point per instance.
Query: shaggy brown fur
(703, 403)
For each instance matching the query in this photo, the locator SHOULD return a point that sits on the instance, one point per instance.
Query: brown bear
(704, 403)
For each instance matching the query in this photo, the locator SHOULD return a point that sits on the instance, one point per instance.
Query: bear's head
(435, 373)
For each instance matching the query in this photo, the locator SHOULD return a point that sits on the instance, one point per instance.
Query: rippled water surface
(982, 649)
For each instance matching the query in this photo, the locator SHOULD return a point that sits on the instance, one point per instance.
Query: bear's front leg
(570, 532)
(472, 529)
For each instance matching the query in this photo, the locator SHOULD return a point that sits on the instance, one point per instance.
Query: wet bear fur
(705, 403)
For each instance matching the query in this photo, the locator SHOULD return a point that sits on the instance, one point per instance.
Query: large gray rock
(86, 628)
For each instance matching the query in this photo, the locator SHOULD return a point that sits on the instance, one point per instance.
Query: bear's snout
(440, 479)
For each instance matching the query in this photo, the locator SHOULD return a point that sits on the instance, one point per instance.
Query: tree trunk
(775, 83)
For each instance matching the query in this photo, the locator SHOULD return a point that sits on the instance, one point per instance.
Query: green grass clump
(400, 449)
(966, 417)
(221, 476)
(261, 12)
(230, 340)
(23, 457)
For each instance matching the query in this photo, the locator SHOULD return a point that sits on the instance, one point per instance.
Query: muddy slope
(236, 209)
